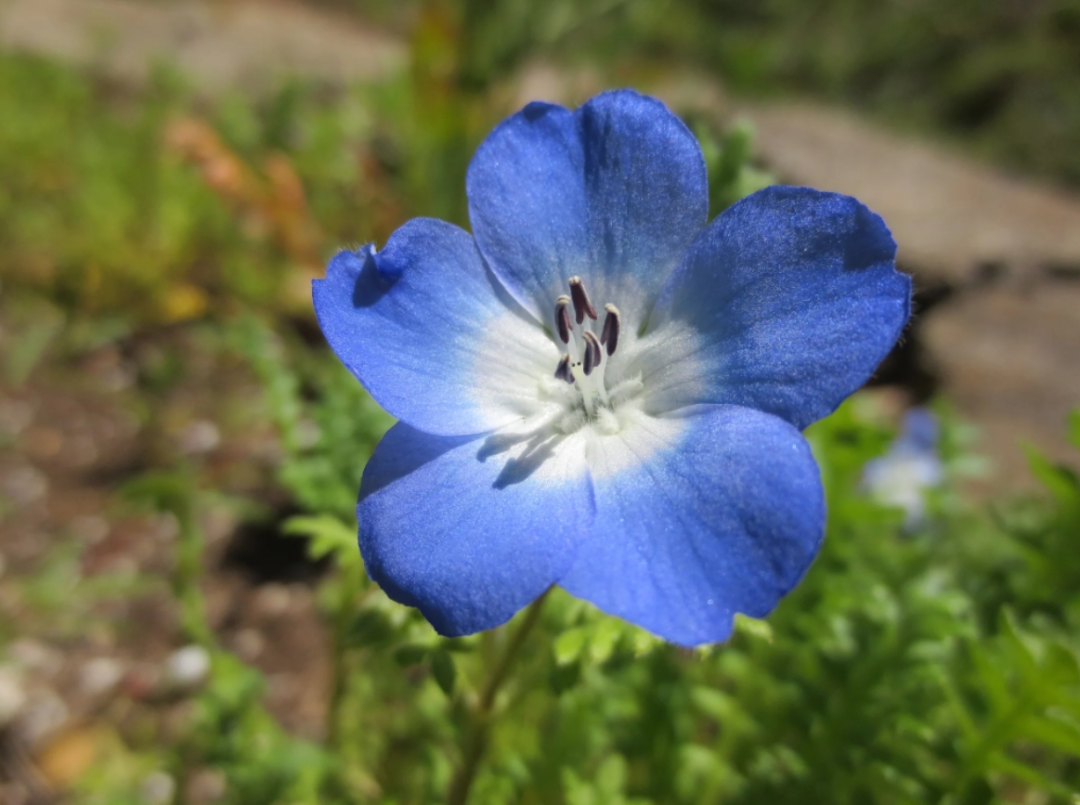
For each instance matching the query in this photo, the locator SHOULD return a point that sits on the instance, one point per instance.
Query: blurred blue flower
(911, 466)
(598, 390)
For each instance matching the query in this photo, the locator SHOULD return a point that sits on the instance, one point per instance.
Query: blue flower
(600, 389)
(911, 466)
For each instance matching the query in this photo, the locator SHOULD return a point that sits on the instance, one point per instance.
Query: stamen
(562, 318)
(563, 370)
(582, 306)
(583, 366)
(592, 352)
(610, 334)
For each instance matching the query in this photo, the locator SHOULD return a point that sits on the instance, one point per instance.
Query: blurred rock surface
(216, 45)
(956, 221)
(1010, 361)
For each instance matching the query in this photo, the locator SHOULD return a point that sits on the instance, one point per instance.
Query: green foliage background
(935, 665)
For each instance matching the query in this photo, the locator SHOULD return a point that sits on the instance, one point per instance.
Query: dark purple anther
(562, 318)
(592, 352)
(582, 306)
(610, 334)
(563, 370)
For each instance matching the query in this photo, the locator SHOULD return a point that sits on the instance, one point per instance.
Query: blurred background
(183, 617)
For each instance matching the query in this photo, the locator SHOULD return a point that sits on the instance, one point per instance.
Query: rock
(36, 658)
(206, 787)
(272, 600)
(100, 676)
(24, 485)
(43, 717)
(158, 788)
(249, 644)
(12, 696)
(200, 436)
(15, 417)
(1009, 360)
(187, 667)
(89, 528)
(955, 220)
(217, 45)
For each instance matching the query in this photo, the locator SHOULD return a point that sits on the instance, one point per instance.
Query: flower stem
(481, 717)
(340, 622)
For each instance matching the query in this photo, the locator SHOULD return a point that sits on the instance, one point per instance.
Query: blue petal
(470, 529)
(614, 192)
(794, 300)
(722, 513)
(430, 332)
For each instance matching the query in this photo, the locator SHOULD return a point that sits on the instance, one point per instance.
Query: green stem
(339, 678)
(189, 569)
(480, 727)
(345, 602)
(349, 599)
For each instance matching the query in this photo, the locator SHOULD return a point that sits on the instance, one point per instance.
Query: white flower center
(599, 400)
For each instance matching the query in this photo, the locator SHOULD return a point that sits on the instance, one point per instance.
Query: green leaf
(1061, 663)
(444, 670)
(40, 323)
(994, 684)
(1018, 649)
(611, 776)
(1074, 428)
(569, 644)
(564, 677)
(1054, 733)
(1061, 482)
(1021, 771)
(369, 628)
(605, 636)
(643, 642)
(753, 627)
(163, 491)
(329, 537)
(410, 654)
(735, 150)
(459, 645)
(713, 703)
(1068, 703)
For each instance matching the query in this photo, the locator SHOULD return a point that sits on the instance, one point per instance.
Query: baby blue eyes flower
(600, 389)
(912, 466)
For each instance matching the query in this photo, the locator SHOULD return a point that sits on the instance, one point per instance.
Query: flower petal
(724, 516)
(471, 529)
(614, 192)
(430, 332)
(793, 298)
